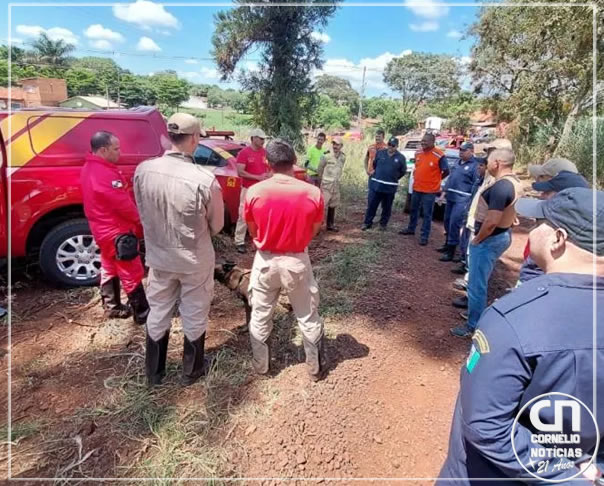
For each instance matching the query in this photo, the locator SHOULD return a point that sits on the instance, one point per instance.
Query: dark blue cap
(563, 180)
(466, 146)
(393, 141)
(573, 210)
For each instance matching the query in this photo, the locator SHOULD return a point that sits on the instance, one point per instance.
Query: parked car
(47, 147)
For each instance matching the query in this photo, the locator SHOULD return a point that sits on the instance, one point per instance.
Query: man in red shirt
(283, 215)
(252, 167)
(112, 214)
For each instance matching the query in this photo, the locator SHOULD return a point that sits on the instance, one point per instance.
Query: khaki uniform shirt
(330, 169)
(181, 208)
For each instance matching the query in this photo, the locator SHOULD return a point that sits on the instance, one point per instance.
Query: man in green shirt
(313, 156)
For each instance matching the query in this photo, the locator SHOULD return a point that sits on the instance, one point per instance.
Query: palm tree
(51, 51)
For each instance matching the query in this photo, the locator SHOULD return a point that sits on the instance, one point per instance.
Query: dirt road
(80, 407)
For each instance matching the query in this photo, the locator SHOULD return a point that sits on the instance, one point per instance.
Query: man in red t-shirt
(252, 168)
(283, 215)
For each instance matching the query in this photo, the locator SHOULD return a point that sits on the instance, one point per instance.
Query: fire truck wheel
(69, 256)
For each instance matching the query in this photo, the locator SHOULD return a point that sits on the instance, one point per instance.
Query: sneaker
(460, 302)
(406, 231)
(461, 331)
(464, 315)
(458, 259)
(460, 284)
(366, 227)
(241, 248)
(443, 249)
(423, 242)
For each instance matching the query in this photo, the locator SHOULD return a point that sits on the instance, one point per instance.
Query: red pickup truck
(41, 155)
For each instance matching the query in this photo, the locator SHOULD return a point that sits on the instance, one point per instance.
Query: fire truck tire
(69, 256)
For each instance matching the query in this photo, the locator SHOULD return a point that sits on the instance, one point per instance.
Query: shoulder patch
(117, 184)
(473, 358)
(481, 342)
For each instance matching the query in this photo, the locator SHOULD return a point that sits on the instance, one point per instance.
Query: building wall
(44, 91)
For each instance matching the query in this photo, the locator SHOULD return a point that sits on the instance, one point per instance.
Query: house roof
(482, 117)
(16, 93)
(97, 100)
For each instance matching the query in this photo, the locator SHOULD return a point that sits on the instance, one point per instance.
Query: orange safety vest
(371, 153)
(427, 174)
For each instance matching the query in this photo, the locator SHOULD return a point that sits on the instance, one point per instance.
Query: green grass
(20, 431)
(223, 120)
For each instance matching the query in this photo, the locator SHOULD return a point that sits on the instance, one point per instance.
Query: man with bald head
(495, 215)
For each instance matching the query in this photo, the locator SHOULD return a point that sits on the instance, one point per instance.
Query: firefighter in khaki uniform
(330, 173)
(181, 208)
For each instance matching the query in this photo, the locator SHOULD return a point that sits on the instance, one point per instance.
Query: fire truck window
(68, 138)
(202, 154)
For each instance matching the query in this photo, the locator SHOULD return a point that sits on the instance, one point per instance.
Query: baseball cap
(393, 141)
(183, 124)
(499, 143)
(552, 167)
(257, 132)
(571, 209)
(337, 140)
(466, 146)
(563, 180)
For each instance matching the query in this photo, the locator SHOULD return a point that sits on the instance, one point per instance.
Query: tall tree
(54, 52)
(421, 77)
(170, 91)
(338, 90)
(136, 91)
(536, 62)
(106, 71)
(283, 38)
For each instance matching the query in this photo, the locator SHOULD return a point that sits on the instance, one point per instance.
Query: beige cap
(257, 132)
(552, 168)
(499, 143)
(337, 140)
(183, 124)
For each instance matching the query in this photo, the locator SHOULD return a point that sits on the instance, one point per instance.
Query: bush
(398, 123)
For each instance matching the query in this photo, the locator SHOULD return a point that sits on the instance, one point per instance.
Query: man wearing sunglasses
(537, 340)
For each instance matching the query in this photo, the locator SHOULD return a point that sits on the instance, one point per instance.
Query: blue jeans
(482, 259)
(426, 200)
(374, 200)
(454, 218)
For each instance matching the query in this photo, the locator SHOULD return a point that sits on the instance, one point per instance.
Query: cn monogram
(558, 415)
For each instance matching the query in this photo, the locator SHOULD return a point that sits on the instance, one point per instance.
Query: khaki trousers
(195, 292)
(241, 228)
(331, 195)
(292, 273)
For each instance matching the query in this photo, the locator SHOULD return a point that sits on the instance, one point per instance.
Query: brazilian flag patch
(472, 359)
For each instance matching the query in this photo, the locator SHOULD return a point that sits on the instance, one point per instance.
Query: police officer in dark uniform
(458, 190)
(536, 340)
(389, 166)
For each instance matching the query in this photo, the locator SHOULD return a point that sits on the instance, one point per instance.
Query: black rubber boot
(406, 231)
(443, 249)
(193, 360)
(449, 255)
(261, 356)
(112, 304)
(139, 305)
(155, 359)
(331, 218)
(315, 359)
(460, 270)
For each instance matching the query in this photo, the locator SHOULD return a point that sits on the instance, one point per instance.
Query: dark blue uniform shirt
(535, 340)
(461, 180)
(388, 171)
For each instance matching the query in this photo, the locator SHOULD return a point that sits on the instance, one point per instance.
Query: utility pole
(361, 100)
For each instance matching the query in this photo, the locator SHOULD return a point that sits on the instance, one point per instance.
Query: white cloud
(463, 61)
(252, 66)
(98, 32)
(54, 33)
(353, 72)
(147, 44)
(427, 26)
(16, 41)
(190, 75)
(321, 36)
(101, 44)
(427, 8)
(30, 30)
(145, 14)
(454, 34)
(209, 73)
(191, 61)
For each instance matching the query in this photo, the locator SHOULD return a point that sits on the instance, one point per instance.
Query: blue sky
(145, 37)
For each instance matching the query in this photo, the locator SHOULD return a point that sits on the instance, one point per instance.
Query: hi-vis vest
(427, 174)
